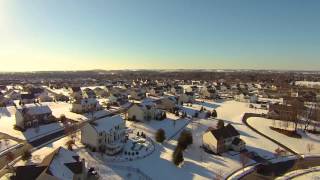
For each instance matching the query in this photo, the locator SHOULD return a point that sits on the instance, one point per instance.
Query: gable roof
(33, 109)
(225, 132)
(107, 123)
(27, 96)
(75, 89)
(28, 172)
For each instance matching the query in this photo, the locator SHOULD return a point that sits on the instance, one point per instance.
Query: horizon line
(164, 69)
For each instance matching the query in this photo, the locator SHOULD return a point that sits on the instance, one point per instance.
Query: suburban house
(208, 92)
(36, 91)
(167, 103)
(101, 92)
(117, 99)
(13, 94)
(191, 89)
(177, 90)
(105, 135)
(223, 139)
(32, 115)
(89, 93)
(27, 98)
(249, 98)
(136, 94)
(61, 164)
(85, 105)
(75, 93)
(141, 112)
(45, 97)
(156, 91)
(187, 97)
(61, 97)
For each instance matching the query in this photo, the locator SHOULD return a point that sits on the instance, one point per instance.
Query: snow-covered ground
(298, 145)
(6, 144)
(307, 83)
(197, 163)
(171, 125)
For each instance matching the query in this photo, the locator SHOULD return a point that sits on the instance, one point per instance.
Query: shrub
(26, 155)
(177, 156)
(214, 113)
(220, 124)
(160, 135)
(185, 139)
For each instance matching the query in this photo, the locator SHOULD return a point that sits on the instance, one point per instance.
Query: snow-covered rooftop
(58, 167)
(107, 123)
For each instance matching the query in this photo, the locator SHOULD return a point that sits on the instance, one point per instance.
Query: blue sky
(166, 34)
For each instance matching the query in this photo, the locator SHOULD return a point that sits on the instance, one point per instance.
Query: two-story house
(31, 115)
(61, 164)
(141, 112)
(105, 135)
(223, 139)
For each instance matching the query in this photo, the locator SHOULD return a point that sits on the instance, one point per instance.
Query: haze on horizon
(170, 34)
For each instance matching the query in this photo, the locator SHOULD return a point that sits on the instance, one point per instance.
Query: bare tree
(310, 147)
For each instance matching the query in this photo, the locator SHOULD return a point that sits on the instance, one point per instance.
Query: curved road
(248, 115)
(280, 168)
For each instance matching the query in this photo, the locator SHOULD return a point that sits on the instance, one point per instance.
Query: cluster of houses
(108, 135)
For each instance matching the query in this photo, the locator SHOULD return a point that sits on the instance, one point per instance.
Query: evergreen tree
(185, 139)
(160, 135)
(220, 124)
(214, 113)
(177, 156)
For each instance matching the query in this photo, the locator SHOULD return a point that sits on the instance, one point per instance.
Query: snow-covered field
(298, 145)
(197, 163)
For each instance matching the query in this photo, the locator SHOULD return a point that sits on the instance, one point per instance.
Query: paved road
(278, 169)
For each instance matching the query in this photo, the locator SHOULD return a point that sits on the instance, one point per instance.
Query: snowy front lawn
(169, 125)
